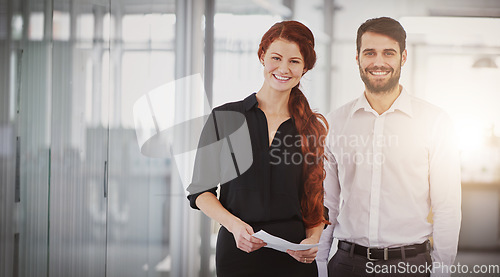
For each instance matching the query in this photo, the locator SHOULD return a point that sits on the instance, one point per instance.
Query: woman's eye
(276, 58)
(295, 61)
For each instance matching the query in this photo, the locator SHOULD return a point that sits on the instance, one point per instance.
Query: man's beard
(372, 86)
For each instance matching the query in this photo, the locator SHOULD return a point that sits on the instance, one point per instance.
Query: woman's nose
(283, 67)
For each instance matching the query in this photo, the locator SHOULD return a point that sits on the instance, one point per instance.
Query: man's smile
(379, 71)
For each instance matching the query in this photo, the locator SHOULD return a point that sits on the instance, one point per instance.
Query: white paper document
(281, 244)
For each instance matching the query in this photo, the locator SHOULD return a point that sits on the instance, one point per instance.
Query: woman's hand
(242, 233)
(305, 256)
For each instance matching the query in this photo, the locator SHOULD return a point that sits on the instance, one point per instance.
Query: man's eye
(389, 54)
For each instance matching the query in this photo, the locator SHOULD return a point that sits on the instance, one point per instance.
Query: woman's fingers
(256, 240)
(246, 242)
(304, 256)
(249, 246)
(244, 245)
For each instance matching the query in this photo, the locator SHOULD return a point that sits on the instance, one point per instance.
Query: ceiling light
(485, 62)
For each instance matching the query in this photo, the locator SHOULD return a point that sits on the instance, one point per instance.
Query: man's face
(380, 60)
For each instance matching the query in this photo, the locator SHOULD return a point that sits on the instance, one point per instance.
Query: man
(392, 162)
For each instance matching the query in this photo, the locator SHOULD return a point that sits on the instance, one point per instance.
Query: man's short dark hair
(384, 26)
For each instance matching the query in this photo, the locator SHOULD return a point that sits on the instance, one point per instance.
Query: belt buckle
(368, 254)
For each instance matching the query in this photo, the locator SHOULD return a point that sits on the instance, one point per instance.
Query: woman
(281, 192)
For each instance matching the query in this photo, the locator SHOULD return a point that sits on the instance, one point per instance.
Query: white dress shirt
(385, 173)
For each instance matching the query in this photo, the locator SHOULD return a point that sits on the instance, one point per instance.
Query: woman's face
(283, 65)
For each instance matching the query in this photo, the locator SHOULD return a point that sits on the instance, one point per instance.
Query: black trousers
(345, 264)
(231, 261)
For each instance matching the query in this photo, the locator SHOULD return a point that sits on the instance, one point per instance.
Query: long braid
(312, 128)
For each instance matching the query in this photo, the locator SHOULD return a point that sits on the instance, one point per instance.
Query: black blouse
(269, 188)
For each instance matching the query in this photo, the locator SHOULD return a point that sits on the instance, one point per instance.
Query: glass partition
(141, 58)
(79, 139)
(25, 138)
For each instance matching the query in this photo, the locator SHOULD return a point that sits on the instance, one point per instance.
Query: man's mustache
(376, 68)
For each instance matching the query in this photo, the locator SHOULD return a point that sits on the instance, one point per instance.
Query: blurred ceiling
(455, 8)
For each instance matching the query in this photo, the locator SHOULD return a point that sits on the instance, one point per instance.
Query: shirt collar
(250, 102)
(402, 103)
(361, 103)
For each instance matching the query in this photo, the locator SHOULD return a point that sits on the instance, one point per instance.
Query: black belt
(374, 254)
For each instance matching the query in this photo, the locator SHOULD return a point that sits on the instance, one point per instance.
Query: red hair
(312, 127)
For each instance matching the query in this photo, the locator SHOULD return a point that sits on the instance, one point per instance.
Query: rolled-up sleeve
(206, 172)
(192, 197)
